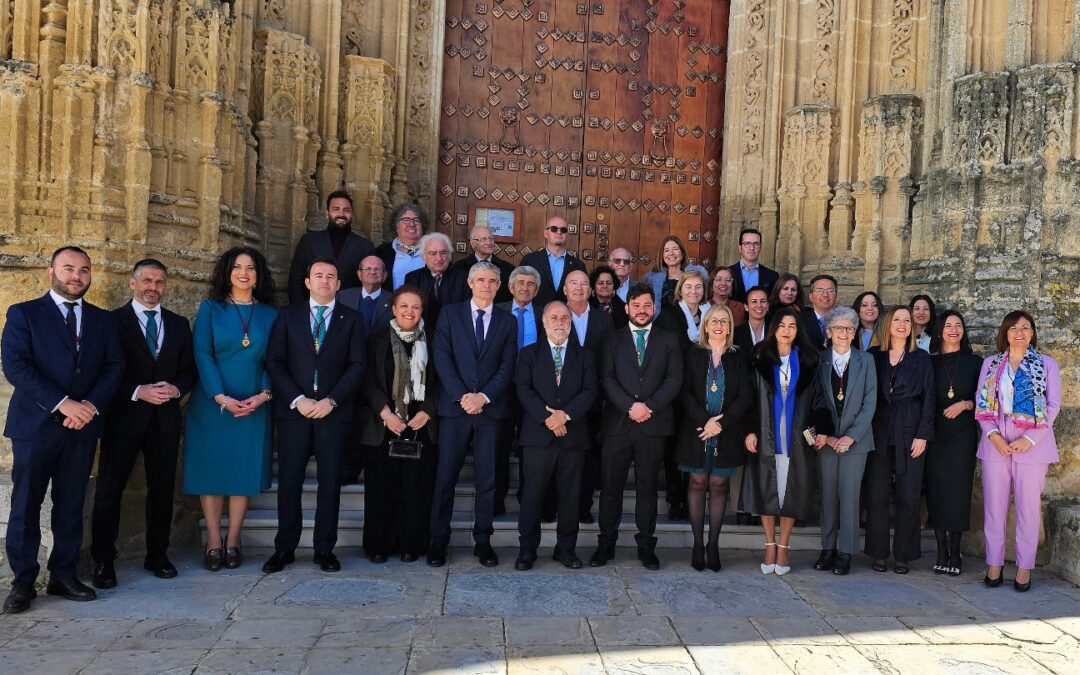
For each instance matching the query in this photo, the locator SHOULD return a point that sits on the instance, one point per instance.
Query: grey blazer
(860, 399)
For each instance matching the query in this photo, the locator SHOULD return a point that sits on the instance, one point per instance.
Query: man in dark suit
(440, 284)
(822, 300)
(337, 242)
(622, 262)
(553, 262)
(482, 242)
(62, 356)
(556, 386)
(641, 374)
(590, 329)
(749, 272)
(474, 349)
(145, 417)
(315, 360)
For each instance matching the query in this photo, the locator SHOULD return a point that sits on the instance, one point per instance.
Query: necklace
(318, 329)
(245, 325)
(785, 373)
(714, 374)
(951, 374)
(843, 383)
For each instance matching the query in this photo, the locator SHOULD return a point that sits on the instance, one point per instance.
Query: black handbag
(403, 448)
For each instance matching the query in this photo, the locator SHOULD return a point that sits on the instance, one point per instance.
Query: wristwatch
(332, 402)
(269, 394)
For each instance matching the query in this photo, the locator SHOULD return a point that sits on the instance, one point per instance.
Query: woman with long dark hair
(228, 432)
(923, 316)
(779, 469)
(950, 458)
(1017, 400)
(868, 306)
(788, 292)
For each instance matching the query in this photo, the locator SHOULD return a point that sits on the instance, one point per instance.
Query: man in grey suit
(848, 381)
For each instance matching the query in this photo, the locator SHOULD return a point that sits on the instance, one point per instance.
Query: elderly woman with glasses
(403, 254)
(671, 262)
(848, 383)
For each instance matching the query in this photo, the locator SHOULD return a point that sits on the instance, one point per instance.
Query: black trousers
(505, 446)
(880, 477)
(542, 464)
(297, 441)
(676, 482)
(455, 434)
(619, 452)
(590, 473)
(66, 464)
(118, 455)
(397, 499)
(355, 453)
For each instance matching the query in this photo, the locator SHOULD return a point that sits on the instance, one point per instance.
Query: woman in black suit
(715, 395)
(399, 396)
(684, 319)
(903, 424)
(604, 298)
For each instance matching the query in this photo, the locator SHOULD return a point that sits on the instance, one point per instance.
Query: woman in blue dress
(228, 432)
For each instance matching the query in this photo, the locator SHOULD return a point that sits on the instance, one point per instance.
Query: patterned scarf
(1029, 391)
(410, 374)
(693, 330)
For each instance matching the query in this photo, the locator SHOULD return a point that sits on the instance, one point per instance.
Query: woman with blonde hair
(716, 394)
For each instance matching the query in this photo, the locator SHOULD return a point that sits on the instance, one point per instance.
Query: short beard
(58, 288)
(332, 222)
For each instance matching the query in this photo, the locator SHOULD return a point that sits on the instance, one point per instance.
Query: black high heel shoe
(697, 557)
(713, 551)
(994, 583)
(213, 557)
(956, 567)
(233, 557)
(1022, 588)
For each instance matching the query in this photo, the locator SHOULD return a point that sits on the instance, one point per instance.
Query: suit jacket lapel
(130, 321)
(492, 326)
(59, 320)
(826, 380)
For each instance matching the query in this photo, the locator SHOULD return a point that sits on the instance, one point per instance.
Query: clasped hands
(77, 414)
(639, 412)
(397, 426)
(239, 409)
(840, 445)
(1006, 449)
(157, 393)
(752, 442)
(473, 404)
(556, 422)
(314, 409)
(711, 429)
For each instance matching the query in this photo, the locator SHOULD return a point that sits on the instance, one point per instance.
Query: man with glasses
(622, 261)
(402, 255)
(337, 241)
(749, 272)
(553, 262)
(822, 300)
(482, 242)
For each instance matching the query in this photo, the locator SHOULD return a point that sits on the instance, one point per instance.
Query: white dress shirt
(581, 324)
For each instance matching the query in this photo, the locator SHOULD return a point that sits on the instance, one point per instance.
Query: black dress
(950, 458)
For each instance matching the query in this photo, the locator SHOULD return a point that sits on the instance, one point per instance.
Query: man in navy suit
(62, 355)
(749, 272)
(144, 417)
(315, 360)
(556, 386)
(553, 262)
(440, 284)
(474, 350)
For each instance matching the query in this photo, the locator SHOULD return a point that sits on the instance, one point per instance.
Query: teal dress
(224, 455)
(714, 403)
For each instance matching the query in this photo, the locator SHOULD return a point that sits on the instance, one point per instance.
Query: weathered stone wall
(178, 128)
(916, 146)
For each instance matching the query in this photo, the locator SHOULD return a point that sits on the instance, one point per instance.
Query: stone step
(352, 498)
(260, 526)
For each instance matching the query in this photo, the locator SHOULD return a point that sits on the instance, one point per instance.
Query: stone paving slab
(366, 633)
(156, 635)
(291, 634)
(816, 659)
(350, 660)
(716, 630)
(159, 661)
(797, 630)
(875, 630)
(951, 659)
(262, 661)
(554, 660)
(645, 661)
(467, 660)
(633, 631)
(546, 631)
(737, 660)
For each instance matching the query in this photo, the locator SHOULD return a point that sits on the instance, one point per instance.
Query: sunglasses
(559, 230)
(620, 261)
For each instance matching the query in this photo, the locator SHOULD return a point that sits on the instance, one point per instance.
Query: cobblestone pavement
(464, 618)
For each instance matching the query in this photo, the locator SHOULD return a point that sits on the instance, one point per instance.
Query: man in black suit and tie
(822, 300)
(641, 374)
(440, 284)
(553, 262)
(749, 272)
(474, 349)
(482, 242)
(556, 386)
(316, 363)
(337, 242)
(62, 356)
(590, 329)
(145, 417)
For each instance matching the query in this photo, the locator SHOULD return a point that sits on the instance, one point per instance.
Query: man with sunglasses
(749, 271)
(622, 261)
(553, 262)
(482, 242)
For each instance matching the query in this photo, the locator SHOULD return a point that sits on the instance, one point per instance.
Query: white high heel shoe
(768, 569)
(781, 570)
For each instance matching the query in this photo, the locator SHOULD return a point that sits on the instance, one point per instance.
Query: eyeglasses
(842, 329)
(483, 240)
(718, 322)
(559, 230)
(372, 269)
(750, 244)
(824, 291)
(620, 261)
(409, 221)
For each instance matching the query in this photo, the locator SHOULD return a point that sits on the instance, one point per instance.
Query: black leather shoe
(278, 561)
(486, 554)
(234, 557)
(826, 560)
(213, 558)
(72, 590)
(1021, 588)
(524, 562)
(648, 558)
(602, 556)
(161, 567)
(994, 583)
(586, 518)
(568, 560)
(378, 558)
(879, 566)
(104, 575)
(19, 598)
(409, 557)
(697, 557)
(712, 553)
(327, 562)
(436, 556)
(843, 564)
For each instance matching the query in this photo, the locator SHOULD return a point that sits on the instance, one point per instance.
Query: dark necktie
(479, 331)
(151, 332)
(367, 309)
(639, 345)
(438, 284)
(72, 323)
(520, 312)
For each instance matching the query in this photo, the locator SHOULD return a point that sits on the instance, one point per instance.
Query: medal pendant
(316, 345)
(715, 388)
(840, 396)
(245, 343)
(951, 393)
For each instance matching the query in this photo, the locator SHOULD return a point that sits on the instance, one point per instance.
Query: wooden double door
(608, 113)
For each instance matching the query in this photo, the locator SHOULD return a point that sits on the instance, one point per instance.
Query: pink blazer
(1045, 450)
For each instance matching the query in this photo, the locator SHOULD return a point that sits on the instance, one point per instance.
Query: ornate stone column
(368, 151)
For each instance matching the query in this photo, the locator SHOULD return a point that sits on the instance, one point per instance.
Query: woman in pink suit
(1017, 399)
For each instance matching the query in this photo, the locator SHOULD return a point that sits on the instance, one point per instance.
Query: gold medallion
(245, 343)
(316, 345)
(951, 393)
(715, 388)
(840, 396)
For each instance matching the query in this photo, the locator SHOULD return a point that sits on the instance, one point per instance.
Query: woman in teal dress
(228, 432)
